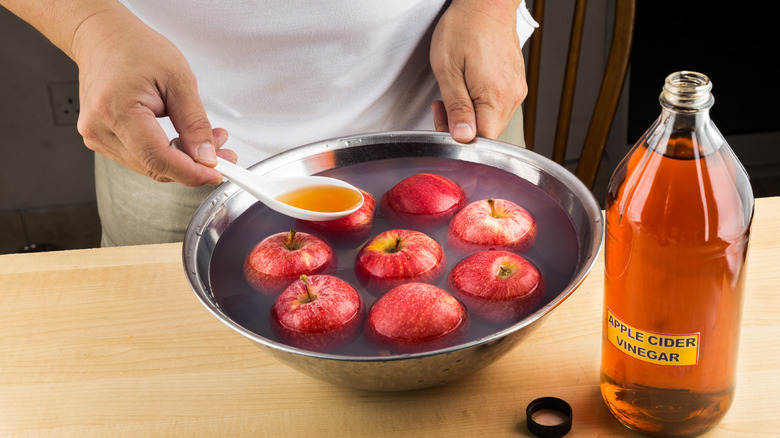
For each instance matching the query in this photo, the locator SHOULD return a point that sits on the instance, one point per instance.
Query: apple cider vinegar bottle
(678, 213)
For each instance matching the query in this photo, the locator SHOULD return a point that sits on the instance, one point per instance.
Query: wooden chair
(609, 93)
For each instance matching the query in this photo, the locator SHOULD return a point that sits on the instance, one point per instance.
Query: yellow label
(657, 348)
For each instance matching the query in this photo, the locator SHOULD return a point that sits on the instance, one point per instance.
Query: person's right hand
(129, 76)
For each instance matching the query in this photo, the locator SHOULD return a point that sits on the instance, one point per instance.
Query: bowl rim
(228, 191)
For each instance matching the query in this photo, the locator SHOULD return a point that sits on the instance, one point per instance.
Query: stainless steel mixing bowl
(402, 372)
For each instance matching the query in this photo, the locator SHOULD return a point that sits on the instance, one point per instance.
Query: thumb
(191, 122)
(461, 118)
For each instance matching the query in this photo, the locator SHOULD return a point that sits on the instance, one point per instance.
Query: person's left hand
(478, 63)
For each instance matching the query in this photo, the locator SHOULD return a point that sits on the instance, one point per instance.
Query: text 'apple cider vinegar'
(678, 213)
(325, 199)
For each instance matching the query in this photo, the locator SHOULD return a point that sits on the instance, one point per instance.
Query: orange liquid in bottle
(677, 235)
(325, 199)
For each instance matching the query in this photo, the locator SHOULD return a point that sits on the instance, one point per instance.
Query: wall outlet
(64, 102)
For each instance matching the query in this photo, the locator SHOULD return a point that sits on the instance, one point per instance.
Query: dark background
(735, 46)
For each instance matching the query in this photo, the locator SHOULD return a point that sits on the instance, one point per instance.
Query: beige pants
(136, 210)
(514, 132)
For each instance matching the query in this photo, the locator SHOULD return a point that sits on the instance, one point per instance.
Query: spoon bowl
(269, 191)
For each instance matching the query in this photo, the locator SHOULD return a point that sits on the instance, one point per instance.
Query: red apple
(280, 259)
(399, 256)
(351, 228)
(415, 317)
(423, 200)
(318, 313)
(498, 286)
(492, 224)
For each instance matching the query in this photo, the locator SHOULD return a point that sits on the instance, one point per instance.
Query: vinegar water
(325, 199)
(555, 252)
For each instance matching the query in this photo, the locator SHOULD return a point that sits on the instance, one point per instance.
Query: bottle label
(657, 348)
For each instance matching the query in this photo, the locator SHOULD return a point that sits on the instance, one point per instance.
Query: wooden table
(113, 342)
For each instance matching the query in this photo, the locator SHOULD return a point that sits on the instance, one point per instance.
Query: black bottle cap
(548, 417)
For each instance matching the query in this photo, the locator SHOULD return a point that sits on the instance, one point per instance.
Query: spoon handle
(230, 170)
(251, 182)
(265, 189)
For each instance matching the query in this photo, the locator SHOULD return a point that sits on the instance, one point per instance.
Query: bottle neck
(687, 92)
(683, 122)
(684, 129)
(684, 135)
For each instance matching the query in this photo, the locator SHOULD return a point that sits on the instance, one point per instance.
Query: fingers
(134, 138)
(476, 102)
(189, 118)
(495, 101)
(440, 122)
(159, 161)
(458, 107)
(220, 136)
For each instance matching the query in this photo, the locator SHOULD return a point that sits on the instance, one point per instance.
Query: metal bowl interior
(402, 372)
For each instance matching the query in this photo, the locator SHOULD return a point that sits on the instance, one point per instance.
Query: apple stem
(504, 272)
(309, 296)
(291, 240)
(492, 203)
(397, 244)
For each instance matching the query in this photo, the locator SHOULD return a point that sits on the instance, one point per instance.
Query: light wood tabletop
(113, 343)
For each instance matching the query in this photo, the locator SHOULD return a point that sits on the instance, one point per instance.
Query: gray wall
(46, 182)
(43, 164)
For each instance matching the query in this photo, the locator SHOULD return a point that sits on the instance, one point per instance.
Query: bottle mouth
(687, 90)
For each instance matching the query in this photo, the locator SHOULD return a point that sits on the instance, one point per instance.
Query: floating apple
(415, 317)
(280, 259)
(492, 224)
(498, 286)
(318, 313)
(348, 229)
(423, 200)
(399, 256)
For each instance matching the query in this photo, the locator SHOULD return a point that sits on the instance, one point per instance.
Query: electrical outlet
(64, 102)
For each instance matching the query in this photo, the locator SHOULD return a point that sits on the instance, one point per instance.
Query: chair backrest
(609, 93)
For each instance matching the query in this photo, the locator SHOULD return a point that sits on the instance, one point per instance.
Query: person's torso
(282, 73)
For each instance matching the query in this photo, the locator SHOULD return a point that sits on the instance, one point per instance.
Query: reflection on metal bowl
(412, 371)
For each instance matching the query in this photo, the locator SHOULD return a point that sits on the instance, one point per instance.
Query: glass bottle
(678, 213)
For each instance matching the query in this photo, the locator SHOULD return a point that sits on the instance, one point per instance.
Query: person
(269, 75)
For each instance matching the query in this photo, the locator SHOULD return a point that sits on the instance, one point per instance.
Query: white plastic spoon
(270, 189)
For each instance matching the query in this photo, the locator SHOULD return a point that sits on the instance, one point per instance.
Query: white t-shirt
(283, 73)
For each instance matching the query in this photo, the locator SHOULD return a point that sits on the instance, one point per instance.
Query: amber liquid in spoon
(325, 199)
